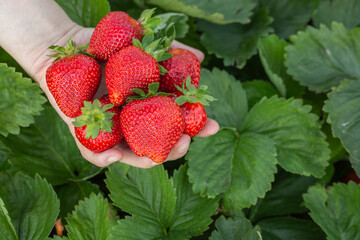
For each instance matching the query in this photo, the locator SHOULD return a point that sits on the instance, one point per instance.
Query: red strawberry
(116, 31)
(182, 64)
(191, 101)
(128, 69)
(135, 67)
(152, 126)
(73, 78)
(98, 128)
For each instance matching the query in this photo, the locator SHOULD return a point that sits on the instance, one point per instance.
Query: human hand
(121, 152)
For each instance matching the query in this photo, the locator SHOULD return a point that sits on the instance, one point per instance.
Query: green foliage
(15, 92)
(42, 151)
(235, 43)
(257, 89)
(29, 208)
(93, 218)
(336, 209)
(343, 11)
(178, 19)
(344, 120)
(321, 58)
(218, 11)
(86, 13)
(235, 228)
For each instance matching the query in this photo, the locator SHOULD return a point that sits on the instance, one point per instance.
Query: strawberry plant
(280, 77)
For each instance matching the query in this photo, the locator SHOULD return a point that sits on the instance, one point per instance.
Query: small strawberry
(182, 64)
(73, 78)
(134, 67)
(152, 126)
(98, 128)
(116, 31)
(192, 101)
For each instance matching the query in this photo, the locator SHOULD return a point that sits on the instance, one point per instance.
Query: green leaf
(336, 210)
(136, 228)
(179, 20)
(235, 43)
(32, 206)
(231, 107)
(192, 212)
(86, 13)
(272, 51)
(235, 228)
(284, 198)
(344, 116)
(321, 58)
(145, 193)
(48, 148)
(217, 11)
(93, 218)
(285, 228)
(257, 89)
(7, 228)
(241, 166)
(70, 194)
(289, 16)
(304, 152)
(345, 12)
(20, 101)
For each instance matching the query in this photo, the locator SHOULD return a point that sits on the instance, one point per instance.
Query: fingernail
(183, 149)
(112, 160)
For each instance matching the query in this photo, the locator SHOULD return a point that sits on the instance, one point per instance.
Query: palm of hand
(120, 152)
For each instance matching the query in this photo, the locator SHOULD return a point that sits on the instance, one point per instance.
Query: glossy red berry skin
(152, 126)
(73, 80)
(114, 32)
(104, 140)
(182, 64)
(130, 68)
(195, 118)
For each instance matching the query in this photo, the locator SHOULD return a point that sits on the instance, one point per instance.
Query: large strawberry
(73, 78)
(117, 30)
(152, 126)
(134, 67)
(182, 64)
(98, 128)
(192, 101)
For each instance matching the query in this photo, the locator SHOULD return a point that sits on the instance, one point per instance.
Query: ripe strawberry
(182, 64)
(98, 128)
(134, 68)
(116, 31)
(73, 78)
(192, 101)
(152, 126)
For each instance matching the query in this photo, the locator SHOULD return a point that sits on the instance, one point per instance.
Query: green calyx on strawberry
(148, 23)
(153, 91)
(157, 48)
(191, 94)
(69, 50)
(96, 118)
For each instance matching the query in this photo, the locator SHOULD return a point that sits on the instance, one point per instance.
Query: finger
(180, 148)
(210, 128)
(130, 158)
(198, 53)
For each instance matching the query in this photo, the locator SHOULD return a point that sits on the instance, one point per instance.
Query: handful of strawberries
(138, 65)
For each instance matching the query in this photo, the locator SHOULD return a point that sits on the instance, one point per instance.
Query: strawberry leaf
(219, 11)
(20, 99)
(240, 166)
(321, 58)
(345, 12)
(92, 219)
(42, 151)
(178, 19)
(303, 152)
(336, 209)
(231, 107)
(235, 228)
(31, 205)
(257, 89)
(7, 228)
(85, 13)
(344, 116)
(272, 55)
